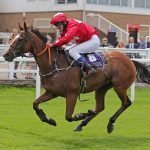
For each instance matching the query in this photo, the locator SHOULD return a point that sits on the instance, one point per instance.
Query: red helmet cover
(59, 17)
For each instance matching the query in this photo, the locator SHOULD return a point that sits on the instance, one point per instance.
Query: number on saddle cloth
(97, 60)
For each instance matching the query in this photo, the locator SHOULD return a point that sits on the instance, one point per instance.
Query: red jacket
(77, 30)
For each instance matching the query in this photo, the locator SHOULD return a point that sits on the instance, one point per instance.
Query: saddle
(96, 60)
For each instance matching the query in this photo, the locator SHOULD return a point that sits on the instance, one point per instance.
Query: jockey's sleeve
(71, 32)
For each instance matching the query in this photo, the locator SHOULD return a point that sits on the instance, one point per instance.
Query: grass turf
(21, 129)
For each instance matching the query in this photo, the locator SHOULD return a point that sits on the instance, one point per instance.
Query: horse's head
(21, 44)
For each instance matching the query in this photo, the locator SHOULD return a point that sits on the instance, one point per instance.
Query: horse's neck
(46, 64)
(59, 58)
(42, 62)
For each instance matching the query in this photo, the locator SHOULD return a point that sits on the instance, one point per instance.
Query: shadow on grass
(110, 143)
(82, 141)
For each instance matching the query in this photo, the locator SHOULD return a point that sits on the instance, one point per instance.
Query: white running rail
(11, 71)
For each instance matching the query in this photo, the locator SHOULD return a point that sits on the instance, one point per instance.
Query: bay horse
(59, 78)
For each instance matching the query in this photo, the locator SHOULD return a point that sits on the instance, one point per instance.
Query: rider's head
(59, 20)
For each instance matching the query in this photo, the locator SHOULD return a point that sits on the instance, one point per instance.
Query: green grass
(20, 128)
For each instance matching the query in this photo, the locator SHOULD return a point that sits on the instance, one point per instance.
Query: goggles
(58, 24)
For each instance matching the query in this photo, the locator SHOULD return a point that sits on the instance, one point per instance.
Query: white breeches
(86, 47)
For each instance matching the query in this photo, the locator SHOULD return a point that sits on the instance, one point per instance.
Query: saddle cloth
(97, 60)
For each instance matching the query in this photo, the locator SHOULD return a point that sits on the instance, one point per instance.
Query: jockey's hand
(49, 44)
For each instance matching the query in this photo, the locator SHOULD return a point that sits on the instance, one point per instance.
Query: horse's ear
(20, 27)
(25, 26)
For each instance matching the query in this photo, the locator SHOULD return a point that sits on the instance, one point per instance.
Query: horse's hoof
(110, 128)
(52, 122)
(78, 129)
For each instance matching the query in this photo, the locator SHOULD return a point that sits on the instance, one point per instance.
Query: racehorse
(60, 78)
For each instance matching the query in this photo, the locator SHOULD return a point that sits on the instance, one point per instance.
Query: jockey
(85, 37)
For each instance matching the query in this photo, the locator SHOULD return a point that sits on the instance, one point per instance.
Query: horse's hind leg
(43, 98)
(70, 105)
(71, 99)
(125, 103)
(99, 96)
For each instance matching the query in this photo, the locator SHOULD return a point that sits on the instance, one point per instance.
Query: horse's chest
(53, 87)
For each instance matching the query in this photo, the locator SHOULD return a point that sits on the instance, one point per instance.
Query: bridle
(16, 51)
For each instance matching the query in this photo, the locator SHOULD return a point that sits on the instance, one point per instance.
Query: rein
(47, 48)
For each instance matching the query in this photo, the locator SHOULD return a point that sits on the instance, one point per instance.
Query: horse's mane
(42, 37)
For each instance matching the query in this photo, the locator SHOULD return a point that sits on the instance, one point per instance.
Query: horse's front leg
(43, 98)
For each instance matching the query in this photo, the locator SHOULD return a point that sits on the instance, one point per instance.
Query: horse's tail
(143, 73)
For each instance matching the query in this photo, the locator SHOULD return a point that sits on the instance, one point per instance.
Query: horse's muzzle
(8, 57)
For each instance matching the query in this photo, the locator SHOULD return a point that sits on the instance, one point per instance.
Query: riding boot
(87, 66)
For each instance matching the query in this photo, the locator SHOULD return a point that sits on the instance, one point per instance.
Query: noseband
(16, 52)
